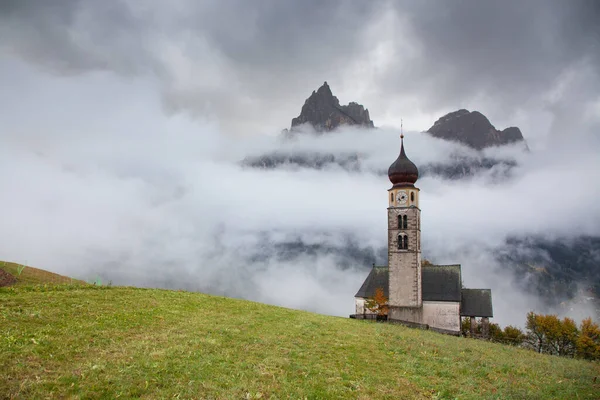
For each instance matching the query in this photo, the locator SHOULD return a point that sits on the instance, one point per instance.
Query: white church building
(423, 295)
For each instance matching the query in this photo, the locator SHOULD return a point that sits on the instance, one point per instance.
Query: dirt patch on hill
(6, 279)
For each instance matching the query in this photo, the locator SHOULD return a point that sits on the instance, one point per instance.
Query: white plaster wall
(360, 306)
(442, 315)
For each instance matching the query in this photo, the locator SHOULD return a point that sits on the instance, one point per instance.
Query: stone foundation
(412, 315)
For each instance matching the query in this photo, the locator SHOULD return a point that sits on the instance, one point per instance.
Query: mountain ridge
(322, 111)
(473, 129)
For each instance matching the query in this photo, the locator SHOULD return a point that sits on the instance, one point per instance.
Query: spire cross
(401, 129)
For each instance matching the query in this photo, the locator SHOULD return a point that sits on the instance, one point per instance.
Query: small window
(405, 222)
(402, 242)
(399, 221)
(392, 197)
(412, 196)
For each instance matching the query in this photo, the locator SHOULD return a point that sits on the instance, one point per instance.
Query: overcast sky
(250, 65)
(122, 124)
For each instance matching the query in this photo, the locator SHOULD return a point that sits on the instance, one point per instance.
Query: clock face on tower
(401, 197)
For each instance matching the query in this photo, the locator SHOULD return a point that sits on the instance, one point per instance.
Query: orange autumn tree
(588, 342)
(549, 334)
(378, 303)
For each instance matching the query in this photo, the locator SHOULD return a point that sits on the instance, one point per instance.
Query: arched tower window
(405, 222)
(392, 197)
(402, 242)
(412, 196)
(399, 221)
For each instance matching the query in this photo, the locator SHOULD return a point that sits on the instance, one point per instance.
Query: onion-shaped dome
(403, 172)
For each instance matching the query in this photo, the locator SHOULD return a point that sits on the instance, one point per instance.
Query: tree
(536, 335)
(550, 325)
(512, 335)
(563, 337)
(509, 335)
(378, 303)
(549, 334)
(496, 333)
(588, 342)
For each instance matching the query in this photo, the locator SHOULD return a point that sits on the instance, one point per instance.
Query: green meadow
(84, 341)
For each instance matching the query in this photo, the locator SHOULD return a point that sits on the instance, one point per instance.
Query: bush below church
(546, 334)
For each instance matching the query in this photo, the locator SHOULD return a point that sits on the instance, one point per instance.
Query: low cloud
(124, 129)
(116, 189)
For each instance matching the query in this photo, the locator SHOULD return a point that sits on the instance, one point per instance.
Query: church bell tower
(404, 241)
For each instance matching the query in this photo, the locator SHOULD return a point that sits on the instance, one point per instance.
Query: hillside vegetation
(105, 342)
(25, 275)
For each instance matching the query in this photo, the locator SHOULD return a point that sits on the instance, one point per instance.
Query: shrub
(513, 335)
(378, 303)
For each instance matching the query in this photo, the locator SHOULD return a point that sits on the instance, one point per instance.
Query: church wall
(406, 314)
(360, 306)
(442, 315)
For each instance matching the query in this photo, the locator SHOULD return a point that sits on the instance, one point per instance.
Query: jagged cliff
(473, 129)
(322, 110)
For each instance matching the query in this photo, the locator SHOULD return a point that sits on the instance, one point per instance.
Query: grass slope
(34, 276)
(108, 342)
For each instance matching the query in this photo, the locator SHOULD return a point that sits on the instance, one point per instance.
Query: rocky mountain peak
(473, 129)
(325, 92)
(322, 110)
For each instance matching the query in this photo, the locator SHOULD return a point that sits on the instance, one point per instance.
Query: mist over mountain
(322, 113)
(178, 210)
(141, 144)
(458, 166)
(556, 270)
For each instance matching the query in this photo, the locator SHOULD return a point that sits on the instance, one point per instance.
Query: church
(419, 294)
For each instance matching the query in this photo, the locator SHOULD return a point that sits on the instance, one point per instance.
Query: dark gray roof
(378, 278)
(476, 303)
(441, 282)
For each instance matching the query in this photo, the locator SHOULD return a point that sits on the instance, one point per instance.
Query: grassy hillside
(106, 342)
(29, 276)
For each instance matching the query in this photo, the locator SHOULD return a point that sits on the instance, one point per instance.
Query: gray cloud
(230, 60)
(249, 66)
(74, 36)
(515, 61)
(505, 50)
